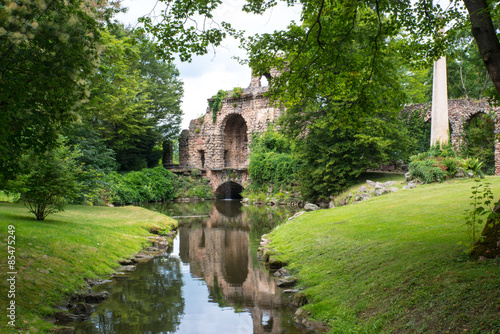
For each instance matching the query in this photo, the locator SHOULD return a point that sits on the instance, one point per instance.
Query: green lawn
(54, 256)
(394, 264)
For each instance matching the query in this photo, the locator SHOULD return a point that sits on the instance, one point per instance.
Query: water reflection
(149, 300)
(210, 283)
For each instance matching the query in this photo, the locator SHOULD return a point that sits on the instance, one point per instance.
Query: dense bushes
(437, 165)
(146, 185)
(272, 162)
(152, 185)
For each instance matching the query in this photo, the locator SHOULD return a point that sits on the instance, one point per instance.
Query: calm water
(210, 282)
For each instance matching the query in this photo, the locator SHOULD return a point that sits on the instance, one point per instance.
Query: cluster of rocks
(373, 189)
(82, 304)
(287, 282)
(80, 307)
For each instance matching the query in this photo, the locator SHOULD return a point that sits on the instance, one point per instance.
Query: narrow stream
(210, 282)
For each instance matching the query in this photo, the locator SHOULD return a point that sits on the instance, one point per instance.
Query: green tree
(48, 50)
(335, 152)
(47, 181)
(272, 162)
(135, 99)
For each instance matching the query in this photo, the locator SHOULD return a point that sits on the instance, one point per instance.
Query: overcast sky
(205, 75)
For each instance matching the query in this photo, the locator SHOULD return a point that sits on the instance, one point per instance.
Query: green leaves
(187, 28)
(481, 208)
(215, 103)
(48, 181)
(134, 99)
(271, 161)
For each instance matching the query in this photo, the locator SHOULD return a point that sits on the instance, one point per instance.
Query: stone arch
(257, 80)
(234, 131)
(229, 190)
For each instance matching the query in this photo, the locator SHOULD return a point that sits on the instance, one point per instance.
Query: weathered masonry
(219, 146)
(460, 111)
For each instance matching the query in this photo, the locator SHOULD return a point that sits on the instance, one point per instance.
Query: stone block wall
(224, 143)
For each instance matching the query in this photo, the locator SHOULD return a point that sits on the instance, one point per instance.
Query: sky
(206, 75)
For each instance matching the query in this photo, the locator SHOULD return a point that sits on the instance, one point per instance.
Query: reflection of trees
(150, 301)
(181, 209)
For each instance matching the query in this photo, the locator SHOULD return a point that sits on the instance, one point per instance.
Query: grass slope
(394, 264)
(54, 256)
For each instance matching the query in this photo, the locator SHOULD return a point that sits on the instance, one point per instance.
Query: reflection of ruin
(219, 146)
(221, 256)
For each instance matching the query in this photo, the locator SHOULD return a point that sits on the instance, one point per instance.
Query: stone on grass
(361, 197)
(282, 272)
(298, 299)
(363, 189)
(311, 207)
(286, 282)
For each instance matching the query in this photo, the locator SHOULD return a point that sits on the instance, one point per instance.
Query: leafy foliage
(135, 99)
(47, 52)
(147, 185)
(427, 171)
(185, 40)
(272, 163)
(481, 205)
(478, 141)
(335, 152)
(439, 164)
(48, 181)
(236, 92)
(419, 131)
(215, 103)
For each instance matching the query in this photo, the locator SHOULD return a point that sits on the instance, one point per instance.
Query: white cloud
(205, 75)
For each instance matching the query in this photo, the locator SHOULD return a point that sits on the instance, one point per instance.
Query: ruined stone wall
(225, 143)
(459, 112)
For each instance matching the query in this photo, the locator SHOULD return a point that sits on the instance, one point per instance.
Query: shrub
(47, 181)
(271, 161)
(473, 165)
(146, 185)
(237, 92)
(437, 164)
(427, 171)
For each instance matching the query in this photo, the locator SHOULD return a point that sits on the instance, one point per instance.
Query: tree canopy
(47, 52)
(134, 101)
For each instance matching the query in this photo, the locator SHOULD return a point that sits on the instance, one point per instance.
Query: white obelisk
(439, 113)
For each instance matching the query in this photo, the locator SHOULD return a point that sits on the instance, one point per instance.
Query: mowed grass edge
(53, 257)
(394, 264)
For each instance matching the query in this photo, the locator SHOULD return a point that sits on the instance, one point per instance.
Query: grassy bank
(394, 264)
(54, 257)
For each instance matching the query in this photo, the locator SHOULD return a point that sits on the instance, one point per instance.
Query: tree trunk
(489, 48)
(486, 38)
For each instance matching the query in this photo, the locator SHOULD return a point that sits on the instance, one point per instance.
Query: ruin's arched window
(478, 140)
(235, 142)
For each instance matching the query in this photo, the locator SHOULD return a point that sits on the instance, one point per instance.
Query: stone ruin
(219, 147)
(460, 111)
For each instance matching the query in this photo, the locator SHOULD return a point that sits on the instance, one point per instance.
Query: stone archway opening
(229, 190)
(478, 140)
(235, 142)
